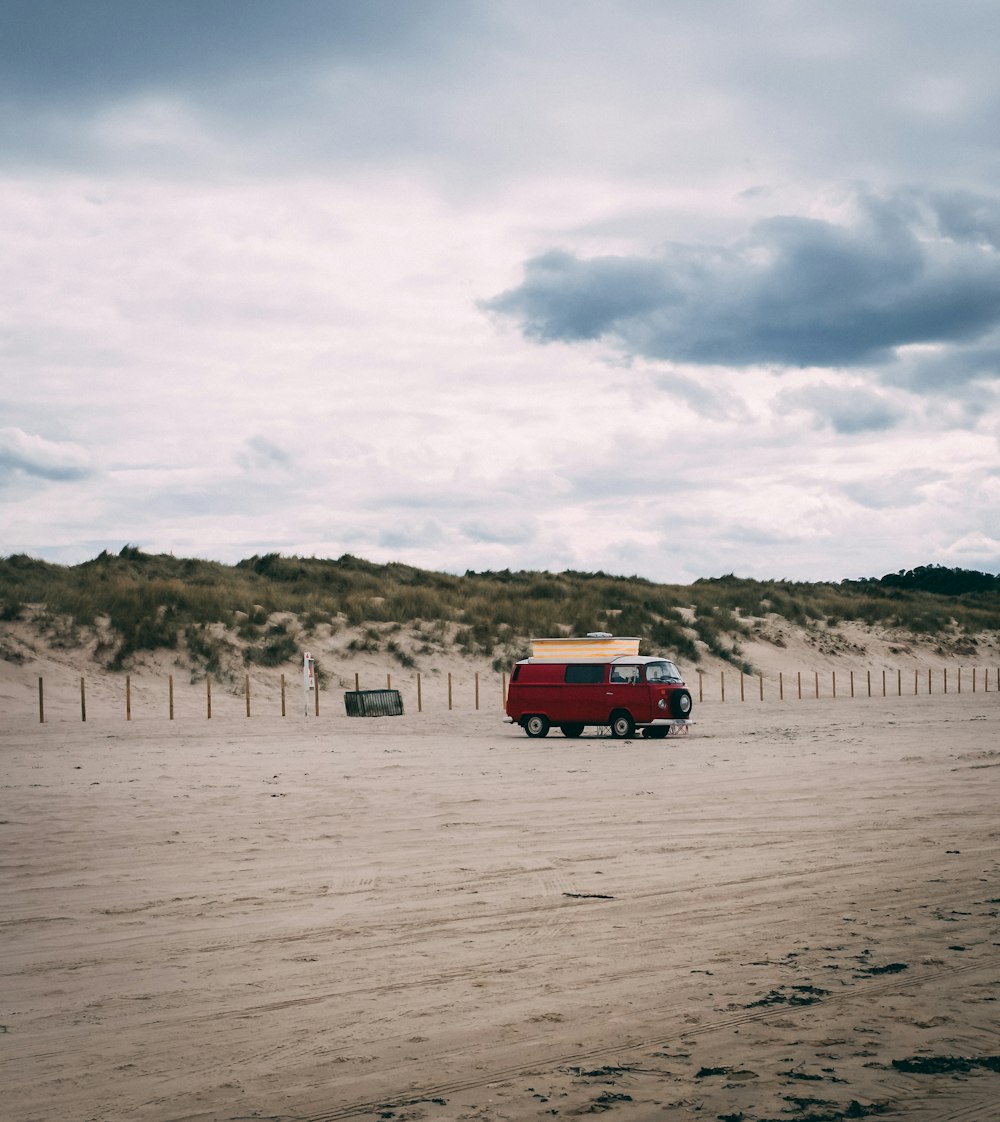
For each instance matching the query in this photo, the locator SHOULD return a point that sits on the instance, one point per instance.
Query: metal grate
(373, 703)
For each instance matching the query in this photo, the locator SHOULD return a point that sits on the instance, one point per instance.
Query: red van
(624, 692)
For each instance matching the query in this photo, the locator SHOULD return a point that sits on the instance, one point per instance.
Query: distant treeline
(265, 608)
(943, 581)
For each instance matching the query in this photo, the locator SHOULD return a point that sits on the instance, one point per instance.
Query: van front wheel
(536, 725)
(571, 730)
(622, 725)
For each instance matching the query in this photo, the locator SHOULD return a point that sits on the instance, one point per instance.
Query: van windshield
(662, 672)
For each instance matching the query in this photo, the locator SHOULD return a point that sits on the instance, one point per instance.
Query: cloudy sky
(667, 287)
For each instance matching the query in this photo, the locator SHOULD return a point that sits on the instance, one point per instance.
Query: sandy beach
(790, 913)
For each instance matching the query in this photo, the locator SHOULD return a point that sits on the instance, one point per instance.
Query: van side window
(627, 674)
(587, 672)
(515, 673)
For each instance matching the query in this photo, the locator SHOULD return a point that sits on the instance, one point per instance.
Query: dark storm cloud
(795, 292)
(848, 410)
(966, 217)
(53, 51)
(319, 78)
(949, 368)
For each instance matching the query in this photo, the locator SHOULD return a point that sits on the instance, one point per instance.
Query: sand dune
(792, 913)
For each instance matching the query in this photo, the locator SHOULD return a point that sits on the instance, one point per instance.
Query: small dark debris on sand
(889, 968)
(798, 995)
(946, 1065)
(607, 1073)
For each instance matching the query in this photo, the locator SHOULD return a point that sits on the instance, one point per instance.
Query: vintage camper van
(596, 680)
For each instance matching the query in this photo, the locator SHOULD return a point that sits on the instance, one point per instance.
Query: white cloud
(33, 455)
(243, 260)
(972, 550)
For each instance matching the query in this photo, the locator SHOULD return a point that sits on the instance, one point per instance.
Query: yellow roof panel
(590, 646)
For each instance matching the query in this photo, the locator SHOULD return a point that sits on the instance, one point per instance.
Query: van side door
(583, 694)
(627, 690)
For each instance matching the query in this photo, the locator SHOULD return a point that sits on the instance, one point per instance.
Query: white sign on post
(308, 678)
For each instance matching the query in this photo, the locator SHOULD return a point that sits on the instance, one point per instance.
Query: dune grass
(146, 601)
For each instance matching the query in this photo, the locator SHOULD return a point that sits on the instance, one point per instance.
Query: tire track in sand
(965, 1113)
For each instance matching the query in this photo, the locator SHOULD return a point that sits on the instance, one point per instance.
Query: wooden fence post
(316, 698)
(504, 684)
(357, 682)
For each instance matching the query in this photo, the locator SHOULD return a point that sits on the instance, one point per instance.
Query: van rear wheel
(622, 725)
(571, 730)
(536, 725)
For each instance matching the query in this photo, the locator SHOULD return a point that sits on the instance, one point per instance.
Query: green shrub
(152, 599)
(205, 648)
(10, 610)
(277, 648)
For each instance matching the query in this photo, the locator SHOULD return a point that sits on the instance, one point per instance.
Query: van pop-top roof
(597, 644)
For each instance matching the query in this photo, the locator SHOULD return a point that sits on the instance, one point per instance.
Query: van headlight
(662, 703)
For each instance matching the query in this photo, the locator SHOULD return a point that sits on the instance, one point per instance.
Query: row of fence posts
(917, 675)
(246, 692)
